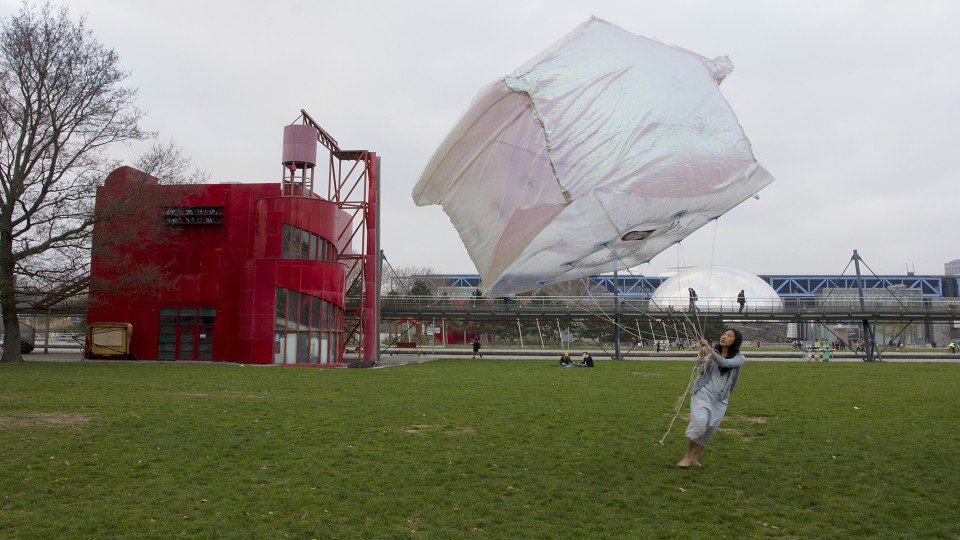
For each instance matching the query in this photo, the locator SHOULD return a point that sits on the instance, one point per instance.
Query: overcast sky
(851, 105)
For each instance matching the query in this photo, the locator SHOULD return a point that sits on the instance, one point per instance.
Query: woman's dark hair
(734, 348)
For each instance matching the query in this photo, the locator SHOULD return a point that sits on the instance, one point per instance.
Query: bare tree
(399, 280)
(63, 105)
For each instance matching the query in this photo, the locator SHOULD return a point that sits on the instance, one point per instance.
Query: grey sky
(851, 105)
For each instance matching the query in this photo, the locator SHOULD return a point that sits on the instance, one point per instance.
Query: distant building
(952, 268)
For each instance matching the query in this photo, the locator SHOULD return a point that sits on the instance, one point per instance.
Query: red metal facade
(221, 266)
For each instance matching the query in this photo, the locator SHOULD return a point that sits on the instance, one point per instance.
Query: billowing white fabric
(605, 133)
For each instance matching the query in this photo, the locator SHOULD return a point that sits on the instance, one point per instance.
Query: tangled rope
(703, 357)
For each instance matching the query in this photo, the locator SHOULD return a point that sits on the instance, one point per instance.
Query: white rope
(687, 323)
(698, 370)
(696, 324)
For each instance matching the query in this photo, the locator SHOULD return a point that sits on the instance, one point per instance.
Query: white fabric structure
(717, 288)
(596, 155)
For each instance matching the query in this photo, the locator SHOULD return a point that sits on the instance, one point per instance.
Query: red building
(250, 273)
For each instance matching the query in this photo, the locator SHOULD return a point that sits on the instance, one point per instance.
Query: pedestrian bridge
(726, 309)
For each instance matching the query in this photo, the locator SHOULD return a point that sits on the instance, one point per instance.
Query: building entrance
(186, 333)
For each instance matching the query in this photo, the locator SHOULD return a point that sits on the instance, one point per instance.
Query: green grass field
(474, 449)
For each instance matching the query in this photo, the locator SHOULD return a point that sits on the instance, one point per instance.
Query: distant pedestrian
(476, 347)
(742, 300)
(693, 299)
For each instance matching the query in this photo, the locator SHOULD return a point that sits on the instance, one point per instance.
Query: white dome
(717, 288)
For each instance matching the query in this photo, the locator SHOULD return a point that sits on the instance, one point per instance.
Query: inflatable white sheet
(595, 156)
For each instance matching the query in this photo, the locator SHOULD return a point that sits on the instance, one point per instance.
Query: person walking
(693, 298)
(742, 300)
(711, 392)
(476, 347)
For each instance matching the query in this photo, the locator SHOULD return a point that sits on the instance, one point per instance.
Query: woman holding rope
(718, 370)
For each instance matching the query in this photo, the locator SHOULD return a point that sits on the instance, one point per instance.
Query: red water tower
(299, 159)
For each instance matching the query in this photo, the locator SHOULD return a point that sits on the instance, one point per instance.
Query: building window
(186, 333)
(307, 329)
(302, 244)
(194, 215)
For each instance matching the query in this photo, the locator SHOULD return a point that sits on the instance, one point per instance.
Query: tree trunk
(8, 304)
(11, 339)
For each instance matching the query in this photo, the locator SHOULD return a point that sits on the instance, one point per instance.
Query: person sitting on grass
(565, 359)
(587, 361)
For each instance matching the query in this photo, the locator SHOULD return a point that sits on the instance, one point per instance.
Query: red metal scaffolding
(353, 185)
